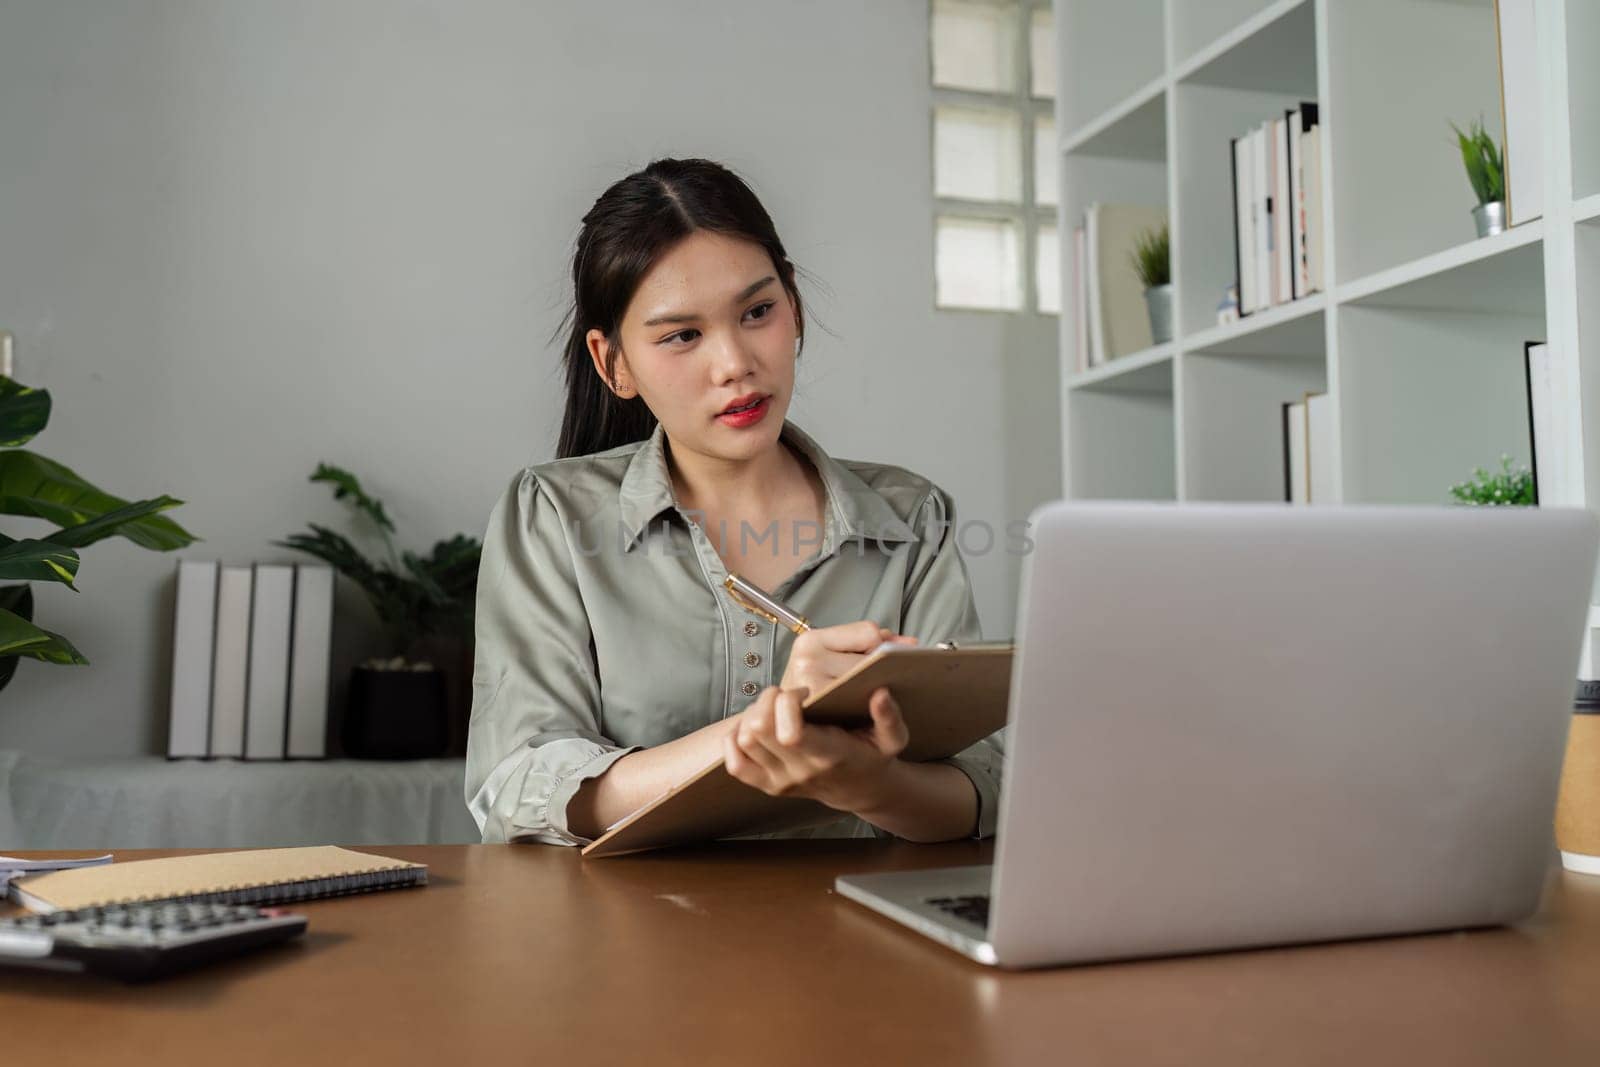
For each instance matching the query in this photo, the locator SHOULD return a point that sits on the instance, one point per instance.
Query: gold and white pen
(758, 601)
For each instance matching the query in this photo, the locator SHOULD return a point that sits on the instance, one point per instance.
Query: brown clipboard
(951, 698)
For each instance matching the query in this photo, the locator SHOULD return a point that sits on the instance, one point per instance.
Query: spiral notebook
(259, 876)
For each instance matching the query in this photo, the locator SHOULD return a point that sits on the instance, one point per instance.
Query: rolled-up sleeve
(938, 606)
(535, 728)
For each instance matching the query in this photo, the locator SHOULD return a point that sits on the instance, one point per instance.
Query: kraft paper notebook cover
(259, 876)
(951, 698)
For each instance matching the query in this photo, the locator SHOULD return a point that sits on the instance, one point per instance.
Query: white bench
(152, 802)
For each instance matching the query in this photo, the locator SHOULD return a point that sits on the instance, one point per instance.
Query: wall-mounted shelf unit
(1419, 336)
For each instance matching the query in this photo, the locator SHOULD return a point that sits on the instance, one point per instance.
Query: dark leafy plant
(1484, 163)
(1152, 257)
(39, 488)
(415, 597)
(1509, 486)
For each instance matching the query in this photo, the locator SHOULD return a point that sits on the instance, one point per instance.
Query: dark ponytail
(632, 224)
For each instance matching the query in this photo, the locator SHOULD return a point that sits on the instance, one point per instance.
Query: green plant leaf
(17, 599)
(38, 561)
(1483, 162)
(23, 412)
(1152, 256)
(19, 637)
(347, 485)
(109, 524)
(43, 488)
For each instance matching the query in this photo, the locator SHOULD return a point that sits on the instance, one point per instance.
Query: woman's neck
(762, 485)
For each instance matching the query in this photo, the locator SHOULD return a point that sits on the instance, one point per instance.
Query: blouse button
(749, 689)
(752, 659)
(751, 629)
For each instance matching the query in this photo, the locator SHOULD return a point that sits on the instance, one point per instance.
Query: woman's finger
(857, 637)
(787, 716)
(889, 734)
(753, 743)
(742, 767)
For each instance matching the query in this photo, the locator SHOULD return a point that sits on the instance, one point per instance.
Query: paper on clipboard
(950, 698)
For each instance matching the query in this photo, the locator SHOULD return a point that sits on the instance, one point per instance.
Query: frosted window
(1045, 153)
(977, 155)
(1043, 44)
(1047, 272)
(977, 264)
(974, 46)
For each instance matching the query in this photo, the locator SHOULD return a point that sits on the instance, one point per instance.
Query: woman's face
(710, 329)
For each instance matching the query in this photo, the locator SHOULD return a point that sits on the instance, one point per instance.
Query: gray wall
(238, 237)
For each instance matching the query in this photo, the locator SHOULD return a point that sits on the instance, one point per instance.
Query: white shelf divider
(1441, 262)
(1220, 338)
(1119, 370)
(1131, 110)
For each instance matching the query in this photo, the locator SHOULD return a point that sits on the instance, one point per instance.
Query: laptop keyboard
(974, 909)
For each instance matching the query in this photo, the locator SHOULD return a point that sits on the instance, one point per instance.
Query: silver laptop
(1236, 726)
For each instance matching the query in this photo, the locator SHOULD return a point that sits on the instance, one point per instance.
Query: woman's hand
(819, 656)
(774, 750)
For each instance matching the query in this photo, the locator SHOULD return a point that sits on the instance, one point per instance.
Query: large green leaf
(109, 524)
(23, 412)
(19, 637)
(345, 484)
(38, 561)
(43, 488)
(17, 599)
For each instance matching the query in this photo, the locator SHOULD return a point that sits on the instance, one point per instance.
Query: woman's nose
(731, 362)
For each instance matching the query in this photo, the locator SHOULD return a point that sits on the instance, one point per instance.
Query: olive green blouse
(603, 627)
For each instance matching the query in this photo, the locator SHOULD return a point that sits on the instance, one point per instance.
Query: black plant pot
(396, 715)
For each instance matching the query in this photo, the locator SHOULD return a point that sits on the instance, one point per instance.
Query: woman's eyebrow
(745, 294)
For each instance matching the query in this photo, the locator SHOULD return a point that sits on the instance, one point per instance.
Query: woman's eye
(685, 335)
(762, 308)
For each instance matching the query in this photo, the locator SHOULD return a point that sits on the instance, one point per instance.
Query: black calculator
(136, 942)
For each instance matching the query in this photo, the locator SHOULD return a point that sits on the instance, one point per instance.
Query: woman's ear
(599, 351)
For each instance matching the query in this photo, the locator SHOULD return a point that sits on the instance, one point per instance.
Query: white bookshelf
(1419, 337)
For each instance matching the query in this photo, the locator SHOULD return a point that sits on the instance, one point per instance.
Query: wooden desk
(741, 953)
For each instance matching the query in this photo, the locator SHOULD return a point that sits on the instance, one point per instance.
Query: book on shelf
(308, 662)
(1295, 473)
(231, 664)
(1080, 300)
(1308, 465)
(1319, 449)
(1261, 199)
(1119, 322)
(1314, 214)
(1521, 115)
(1300, 120)
(1555, 409)
(266, 714)
(1277, 190)
(1244, 239)
(194, 627)
(251, 661)
(1282, 247)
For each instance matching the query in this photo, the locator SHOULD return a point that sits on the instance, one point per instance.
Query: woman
(610, 661)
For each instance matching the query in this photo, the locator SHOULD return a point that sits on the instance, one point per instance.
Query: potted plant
(407, 705)
(39, 488)
(1486, 171)
(1152, 262)
(1508, 487)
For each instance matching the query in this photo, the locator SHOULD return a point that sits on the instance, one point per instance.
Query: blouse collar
(854, 509)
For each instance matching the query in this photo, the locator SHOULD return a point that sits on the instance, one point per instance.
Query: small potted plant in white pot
(1152, 262)
(1485, 166)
